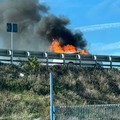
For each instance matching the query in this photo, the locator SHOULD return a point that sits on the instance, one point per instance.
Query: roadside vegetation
(27, 96)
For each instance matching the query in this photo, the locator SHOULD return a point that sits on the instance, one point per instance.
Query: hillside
(28, 96)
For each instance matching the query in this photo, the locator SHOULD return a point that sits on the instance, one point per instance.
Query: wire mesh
(88, 112)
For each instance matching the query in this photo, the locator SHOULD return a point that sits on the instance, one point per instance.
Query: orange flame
(55, 47)
(83, 52)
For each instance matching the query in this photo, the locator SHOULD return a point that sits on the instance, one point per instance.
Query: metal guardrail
(61, 58)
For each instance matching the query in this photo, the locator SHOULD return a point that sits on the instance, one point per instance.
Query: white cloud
(106, 49)
(111, 46)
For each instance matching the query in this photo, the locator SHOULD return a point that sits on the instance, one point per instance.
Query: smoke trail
(37, 28)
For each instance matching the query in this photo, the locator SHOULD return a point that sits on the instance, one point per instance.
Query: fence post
(52, 110)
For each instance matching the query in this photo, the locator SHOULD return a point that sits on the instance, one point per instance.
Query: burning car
(70, 55)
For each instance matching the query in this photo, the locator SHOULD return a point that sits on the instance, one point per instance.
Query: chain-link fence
(88, 112)
(85, 88)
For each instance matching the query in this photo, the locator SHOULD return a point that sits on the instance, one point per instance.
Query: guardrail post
(63, 57)
(46, 55)
(79, 58)
(52, 108)
(110, 59)
(95, 59)
(11, 56)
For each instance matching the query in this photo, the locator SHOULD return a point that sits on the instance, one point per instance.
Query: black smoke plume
(37, 28)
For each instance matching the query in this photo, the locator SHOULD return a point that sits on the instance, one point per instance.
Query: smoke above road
(36, 26)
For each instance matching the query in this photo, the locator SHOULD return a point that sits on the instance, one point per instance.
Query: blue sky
(92, 12)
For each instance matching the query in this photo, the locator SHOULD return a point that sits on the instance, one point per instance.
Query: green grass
(28, 96)
(24, 104)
